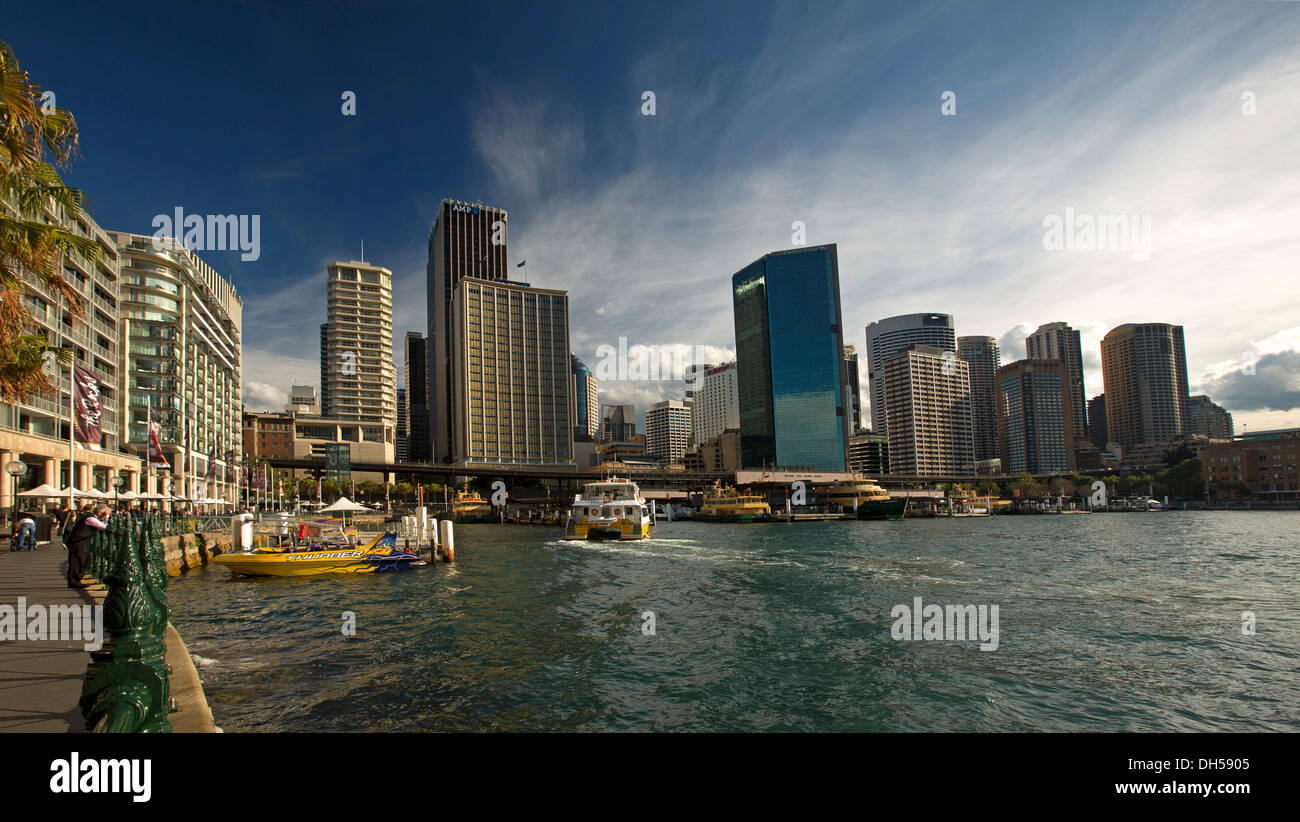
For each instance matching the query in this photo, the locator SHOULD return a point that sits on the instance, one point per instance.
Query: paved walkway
(40, 680)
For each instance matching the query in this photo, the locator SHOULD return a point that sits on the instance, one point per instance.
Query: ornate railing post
(125, 688)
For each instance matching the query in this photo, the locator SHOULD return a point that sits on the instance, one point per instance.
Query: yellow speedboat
(300, 549)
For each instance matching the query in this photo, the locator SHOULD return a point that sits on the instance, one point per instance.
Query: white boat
(609, 509)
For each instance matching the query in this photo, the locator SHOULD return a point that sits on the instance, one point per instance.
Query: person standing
(78, 542)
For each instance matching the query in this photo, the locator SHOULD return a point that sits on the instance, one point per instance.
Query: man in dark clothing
(78, 542)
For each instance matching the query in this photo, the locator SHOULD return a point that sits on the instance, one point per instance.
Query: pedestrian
(78, 544)
(26, 533)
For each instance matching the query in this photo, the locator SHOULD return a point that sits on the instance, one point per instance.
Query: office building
(417, 398)
(1267, 461)
(1206, 418)
(617, 422)
(467, 240)
(887, 337)
(929, 414)
(984, 359)
(719, 455)
(695, 376)
(358, 377)
(1144, 368)
(182, 323)
(869, 453)
(294, 435)
(1097, 433)
(852, 387)
(789, 369)
(716, 406)
(1035, 417)
(1058, 341)
(668, 430)
(302, 399)
(586, 400)
(511, 372)
(402, 447)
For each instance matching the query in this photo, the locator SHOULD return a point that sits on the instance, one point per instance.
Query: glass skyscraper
(789, 346)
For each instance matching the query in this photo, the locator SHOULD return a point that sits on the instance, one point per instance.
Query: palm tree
(29, 186)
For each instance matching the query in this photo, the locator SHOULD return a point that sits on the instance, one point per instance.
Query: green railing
(126, 688)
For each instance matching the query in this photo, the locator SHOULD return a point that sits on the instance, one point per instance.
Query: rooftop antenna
(363, 249)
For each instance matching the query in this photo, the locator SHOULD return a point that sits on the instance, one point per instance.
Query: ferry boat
(873, 502)
(609, 509)
(289, 547)
(470, 507)
(726, 504)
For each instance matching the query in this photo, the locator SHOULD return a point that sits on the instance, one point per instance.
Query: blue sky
(827, 114)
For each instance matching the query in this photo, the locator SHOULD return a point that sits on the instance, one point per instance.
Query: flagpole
(72, 431)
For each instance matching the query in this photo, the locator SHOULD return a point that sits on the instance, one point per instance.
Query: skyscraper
(358, 378)
(984, 359)
(889, 336)
(668, 430)
(617, 422)
(1144, 368)
(1097, 422)
(928, 412)
(417, 398)
(511, 370)
(1058, 341)
(1035, 421)
(716, 407)
(852, 388)
(402, 451)
(586, 400)
(467, 240)
(1207, 418)
(789, 353)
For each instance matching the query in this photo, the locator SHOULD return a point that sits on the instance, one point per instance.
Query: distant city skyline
(929, 212)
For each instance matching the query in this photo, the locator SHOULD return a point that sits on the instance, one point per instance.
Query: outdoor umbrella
(343, 504)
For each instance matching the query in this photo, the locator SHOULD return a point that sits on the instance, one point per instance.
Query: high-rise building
(893, 334)
(668, 430)
(852, 387)
(1144, 368)
(467, 240)
(1035, 419)
(37, 428)
(869, 453)
(1097, 422)
(1207, 418)
(717, 406)
(929, 412)
(402, 450)
(984, 359)
(586, 400)
(511, 371)
(358, 377)
(417, 398)
(183, 322)
(1058, 341)
(695, 377)
(789, 352)
(302, 399)
(617, 422)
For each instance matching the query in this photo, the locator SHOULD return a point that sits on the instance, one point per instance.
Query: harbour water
(1120, 622)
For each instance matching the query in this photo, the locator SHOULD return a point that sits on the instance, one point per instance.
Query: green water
(1119, 622)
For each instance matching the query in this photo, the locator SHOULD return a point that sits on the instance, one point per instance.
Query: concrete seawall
(187, 551)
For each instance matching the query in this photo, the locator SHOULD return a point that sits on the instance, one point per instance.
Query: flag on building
(212, 464)
(156, 455)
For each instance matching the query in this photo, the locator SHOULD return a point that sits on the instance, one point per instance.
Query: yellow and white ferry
(610, 509)
(725, 504)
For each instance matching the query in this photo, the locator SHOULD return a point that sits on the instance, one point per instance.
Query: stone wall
(183, 551)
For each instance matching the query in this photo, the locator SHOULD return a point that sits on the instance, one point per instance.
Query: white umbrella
(128, 495)
(92, 493)
(43, 490)
(344, 505)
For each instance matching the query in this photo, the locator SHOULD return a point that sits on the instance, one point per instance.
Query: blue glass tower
(789, 376)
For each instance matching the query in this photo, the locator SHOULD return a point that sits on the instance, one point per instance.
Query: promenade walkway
(40, 680)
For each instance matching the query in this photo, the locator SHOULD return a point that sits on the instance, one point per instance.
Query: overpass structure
(646, 478)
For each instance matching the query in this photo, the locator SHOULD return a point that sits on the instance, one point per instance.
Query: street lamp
(15, 469)
(118, 482)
